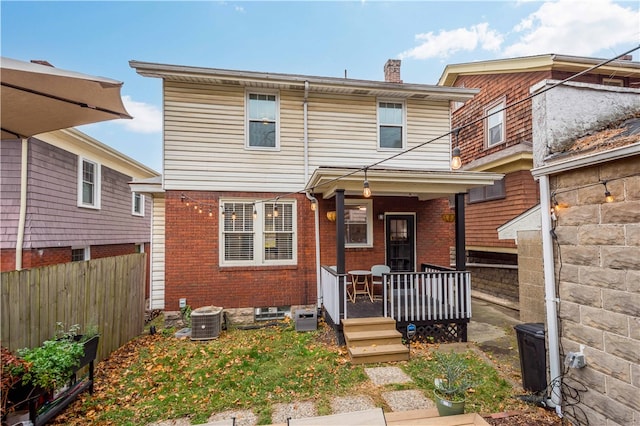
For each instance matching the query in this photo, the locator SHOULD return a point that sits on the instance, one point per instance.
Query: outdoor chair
(376, 277)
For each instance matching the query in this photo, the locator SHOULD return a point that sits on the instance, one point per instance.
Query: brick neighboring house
(247, 155)
(77, 201)
(591, 252)
(503, 143)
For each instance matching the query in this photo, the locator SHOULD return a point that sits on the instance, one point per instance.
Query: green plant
(185, 312)
(455, 376)
(89, 332)
(51, 364)
(11, 373)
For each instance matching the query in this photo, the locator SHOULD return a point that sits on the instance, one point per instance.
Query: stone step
(372, 337)
(381, 353)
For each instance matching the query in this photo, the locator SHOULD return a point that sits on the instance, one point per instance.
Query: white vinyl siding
(157, 254)
(204, 134)
(495, 125)
(254, 234)
(89, 180)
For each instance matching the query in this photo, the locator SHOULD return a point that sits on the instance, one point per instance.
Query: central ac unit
(205, 323)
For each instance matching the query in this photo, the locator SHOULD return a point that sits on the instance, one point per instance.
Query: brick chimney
(392, 71)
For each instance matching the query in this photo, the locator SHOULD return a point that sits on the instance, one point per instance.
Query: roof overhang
(279, 81)
(423, 184)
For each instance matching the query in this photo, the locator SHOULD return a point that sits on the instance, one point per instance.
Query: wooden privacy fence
(107, 293)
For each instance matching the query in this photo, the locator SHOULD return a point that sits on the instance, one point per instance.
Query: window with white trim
(358, 223)
(495, 124)
(88, 183)
(80, 254)
(261, 233)
(391, 126)
(262, 121)
(137, 204)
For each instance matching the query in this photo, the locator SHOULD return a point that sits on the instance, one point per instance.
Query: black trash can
(533, 356)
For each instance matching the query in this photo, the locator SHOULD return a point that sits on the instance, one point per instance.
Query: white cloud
(576, 28)
(446, 43)
(146, 118)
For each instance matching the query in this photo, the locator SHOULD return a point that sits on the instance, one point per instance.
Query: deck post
(460, 236)
(340, 245)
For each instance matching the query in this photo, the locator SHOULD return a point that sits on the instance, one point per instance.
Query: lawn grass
(160, 377)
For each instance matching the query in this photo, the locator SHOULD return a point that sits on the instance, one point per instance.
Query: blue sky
(316, 38)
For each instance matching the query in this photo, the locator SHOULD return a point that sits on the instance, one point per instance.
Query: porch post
(460, 237)
(340, 245)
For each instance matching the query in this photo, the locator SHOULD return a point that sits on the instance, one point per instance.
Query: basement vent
(271, 313)
(205, 323)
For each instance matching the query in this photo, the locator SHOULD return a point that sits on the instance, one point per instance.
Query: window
(262, 121)
(137, 204)
(487, 193)
(258, 233)
(391, 125)
(358, 223)
(80, 254)
(139, 248)
(494, 127)
(613, 82)
(88, 184)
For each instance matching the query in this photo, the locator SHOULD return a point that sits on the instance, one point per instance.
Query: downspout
(551, 300)
(22, 218)
(305, 137)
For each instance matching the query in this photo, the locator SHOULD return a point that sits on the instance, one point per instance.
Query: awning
(423, 184)
(40, 98)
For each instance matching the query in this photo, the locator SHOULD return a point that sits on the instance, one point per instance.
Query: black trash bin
(533, 356)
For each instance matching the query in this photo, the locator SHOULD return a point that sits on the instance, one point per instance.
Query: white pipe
(309, 196)
(551, 300)
(22, 218)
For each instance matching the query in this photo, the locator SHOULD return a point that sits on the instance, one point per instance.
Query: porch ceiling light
(366, 190)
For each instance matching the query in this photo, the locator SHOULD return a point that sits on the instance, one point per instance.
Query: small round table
(360, 284)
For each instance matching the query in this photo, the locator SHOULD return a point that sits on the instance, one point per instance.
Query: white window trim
(97, 187)
(246, 120)
(369, 205)
(404, 123)
(87, 252)
(258, 235)
(500, 104)
(133, 204)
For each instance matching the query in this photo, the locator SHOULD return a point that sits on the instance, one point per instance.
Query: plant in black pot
(452, 385)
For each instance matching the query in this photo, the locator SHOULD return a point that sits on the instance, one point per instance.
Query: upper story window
(358, 223)
(258, 233)
(487, 193)
(137, 204)
(88, 183)
(391, 122)
(262, 121)
(495, 124)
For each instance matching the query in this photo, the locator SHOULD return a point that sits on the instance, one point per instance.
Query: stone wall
(531, 277)
(498, 281)
(598, 259)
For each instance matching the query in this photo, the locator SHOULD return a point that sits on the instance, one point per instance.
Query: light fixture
(276, 213)
(210, 213)
(182, 198)
(331, 216)
(233, 215)
(314, 205)
(366, 191)
(607, 195)
(195, 207)
(255, 213)
(456, 162)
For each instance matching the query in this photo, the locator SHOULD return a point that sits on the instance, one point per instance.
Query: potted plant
(452, 385)
(51, 365)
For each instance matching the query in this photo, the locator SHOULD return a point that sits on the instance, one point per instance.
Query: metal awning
(423, 184)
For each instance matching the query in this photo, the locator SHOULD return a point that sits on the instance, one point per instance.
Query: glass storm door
(400, 232)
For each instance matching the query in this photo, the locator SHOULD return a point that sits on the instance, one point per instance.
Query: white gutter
(22, 218)
(551, 300)
(309, 196)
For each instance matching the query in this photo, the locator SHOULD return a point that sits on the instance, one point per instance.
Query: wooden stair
(372, 340)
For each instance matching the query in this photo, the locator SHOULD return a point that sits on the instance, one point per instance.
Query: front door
(401, 250)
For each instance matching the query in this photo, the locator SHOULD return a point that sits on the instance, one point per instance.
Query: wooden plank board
(430, 418)
(373, 417)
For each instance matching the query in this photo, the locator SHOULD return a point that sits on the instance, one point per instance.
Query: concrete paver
(387, 375)
(407, 400)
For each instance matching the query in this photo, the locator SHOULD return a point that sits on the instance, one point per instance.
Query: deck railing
(427, 296)
(407, 296)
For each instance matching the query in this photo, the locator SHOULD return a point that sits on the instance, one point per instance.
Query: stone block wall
(598, 260)
(531, 277)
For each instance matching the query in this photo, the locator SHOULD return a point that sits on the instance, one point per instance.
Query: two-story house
(268, 178)
(76, 201)
(496, 135)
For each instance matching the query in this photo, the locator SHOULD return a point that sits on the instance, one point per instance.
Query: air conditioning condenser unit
(206, 323)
